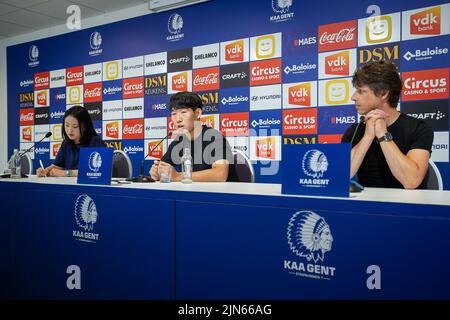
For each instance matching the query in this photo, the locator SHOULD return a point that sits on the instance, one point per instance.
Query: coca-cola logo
(343, 35)
(135, 129)
(211, 78)
(96, 92)
(26, 117)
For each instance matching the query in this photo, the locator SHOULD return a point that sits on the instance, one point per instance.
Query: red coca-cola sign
(337, 36)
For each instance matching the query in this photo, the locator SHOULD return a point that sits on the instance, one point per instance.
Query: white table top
(432, 197)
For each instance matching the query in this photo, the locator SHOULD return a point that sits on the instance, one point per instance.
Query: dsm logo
(281, 6)
(95, 161)
(175, 23)
(309, 236)
(314, 163)
(95, 40)
(85, 212)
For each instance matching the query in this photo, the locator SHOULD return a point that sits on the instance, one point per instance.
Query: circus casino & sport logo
(309, 238)
(86, 214)
(175, 25)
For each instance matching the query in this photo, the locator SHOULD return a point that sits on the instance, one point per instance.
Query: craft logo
(427, 22)
(234, 124)
(205, 79)
(309, 237)
(266, 148)
(86, 214)
(336, 91)
(133, 87)
(234, 75)
(281, 8)
(33, 56)
(155, 85)
(300, 121)
(434, 113)
(42, 115)
(74, 76)
(175, 25)
(265, 72)
(336, 36)
(425, 84)
(112, 130)
(95, 41)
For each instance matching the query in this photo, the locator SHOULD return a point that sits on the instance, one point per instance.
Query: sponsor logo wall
(259, 90)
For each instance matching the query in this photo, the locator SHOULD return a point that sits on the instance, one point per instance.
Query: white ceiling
(24, 16)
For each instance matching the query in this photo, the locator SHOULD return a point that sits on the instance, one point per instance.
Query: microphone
(361, 120)
(47, 135)
(142, 177)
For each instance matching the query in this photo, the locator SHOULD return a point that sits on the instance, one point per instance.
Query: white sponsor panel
(265, 148)
(155, 128)
(133, 67)
(56, 130)
(335, 92)
(133, 108)
(112, 110)
(300, 95)
(179, 81)
(93, 73)
(57, 78)
(379, 29)
(155, 63)
(440, 147)
(74, 94)
(40, 131)
(234, 51)
(206, 56)
(426, 22)
(25, 146)
(341, 63)
(239, 143)
(112, 130)
(112, 70)
(266, 46)
(265, 97)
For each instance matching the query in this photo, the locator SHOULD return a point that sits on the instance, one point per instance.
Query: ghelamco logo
(85, 217)
(309, 237)
(95, 41)
(281, 8)
(174, 25)
(33, 56)
(314, 165)
(424, 54)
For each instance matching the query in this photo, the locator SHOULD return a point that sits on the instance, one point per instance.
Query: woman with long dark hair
(78, 131)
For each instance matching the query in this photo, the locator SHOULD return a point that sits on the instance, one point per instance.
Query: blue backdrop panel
(6, 220)
(130, 259)
(229, 251)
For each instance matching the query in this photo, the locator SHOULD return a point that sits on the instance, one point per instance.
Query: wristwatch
(386, 137)
(69, 173)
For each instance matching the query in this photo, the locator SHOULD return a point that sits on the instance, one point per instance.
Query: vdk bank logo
(95, 42)
(174, 25)
(281, 8)
(85, 217)
(33, 56)
(314, 165)
(309, 236)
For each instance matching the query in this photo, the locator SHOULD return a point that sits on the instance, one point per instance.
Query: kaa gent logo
(95, 161)
(85, 212)
(314, 163)
(281, 6)
(175, 23)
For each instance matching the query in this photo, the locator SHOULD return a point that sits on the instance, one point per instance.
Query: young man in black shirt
(210, 151)
(389, 149)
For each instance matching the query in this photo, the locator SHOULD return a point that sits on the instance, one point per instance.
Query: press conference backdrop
(269, 73)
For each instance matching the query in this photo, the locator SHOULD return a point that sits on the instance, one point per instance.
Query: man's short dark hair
(380, 77)
(185, 99)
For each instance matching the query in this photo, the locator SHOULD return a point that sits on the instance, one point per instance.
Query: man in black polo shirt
(389, 149)
(211, 152)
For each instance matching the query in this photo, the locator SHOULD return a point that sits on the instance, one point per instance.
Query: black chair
(26, 164)
(433, 177)
(243, 167)
(121, 166)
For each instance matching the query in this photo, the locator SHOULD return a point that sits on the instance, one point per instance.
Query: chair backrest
(26, 164)
(433, 177)
(243, 167)
(121, 166)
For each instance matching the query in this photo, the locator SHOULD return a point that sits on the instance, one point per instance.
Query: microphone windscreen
(48, 134)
